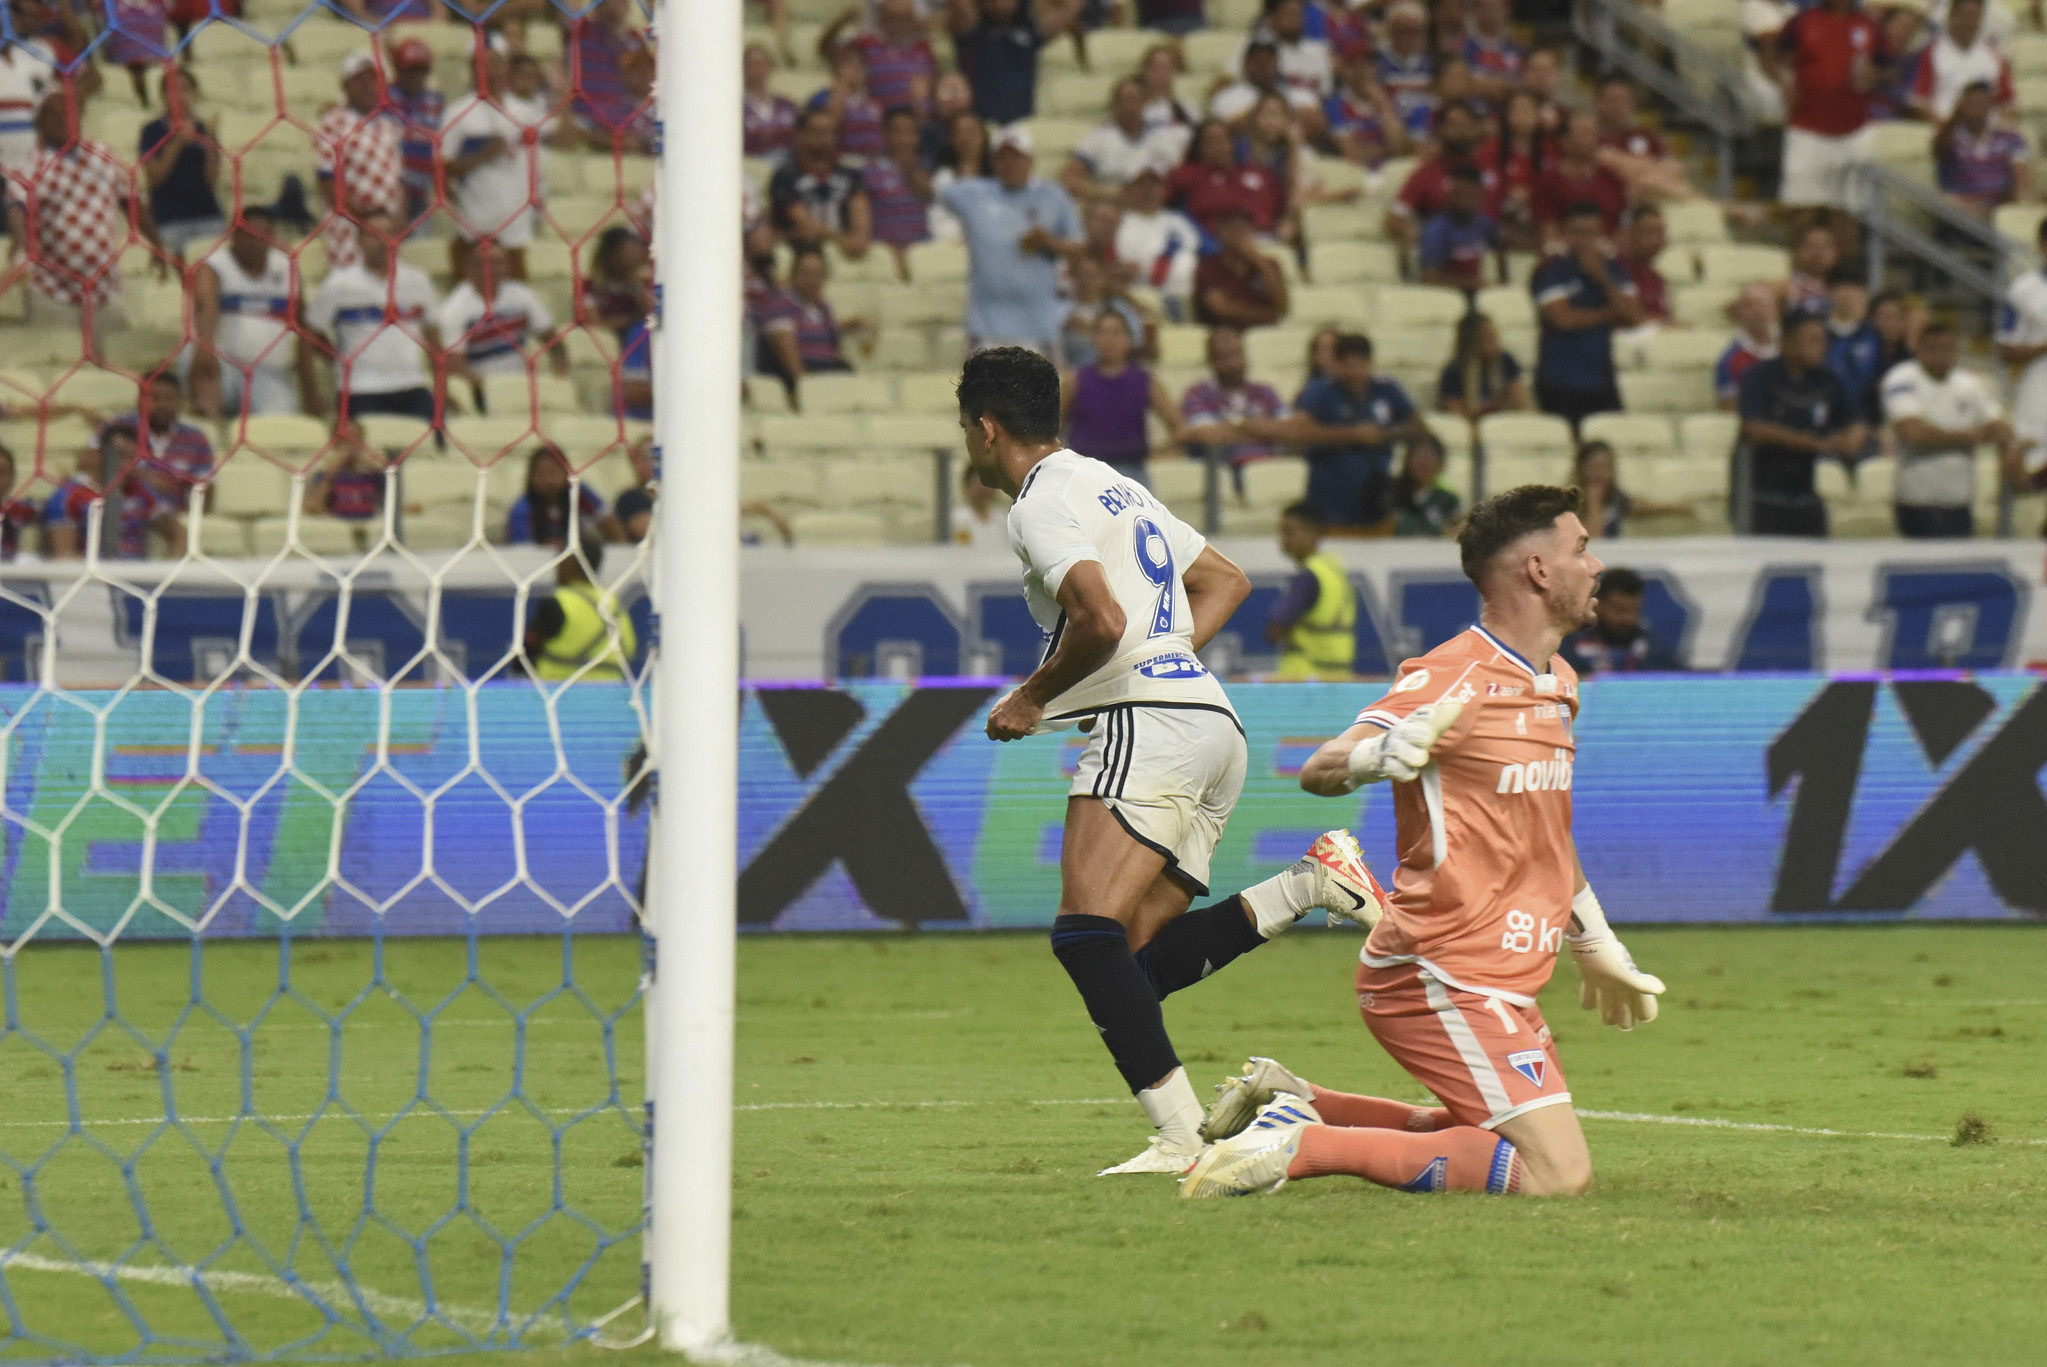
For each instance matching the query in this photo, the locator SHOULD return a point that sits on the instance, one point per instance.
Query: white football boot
(1238, 1099)
(1256, 1160)
(1157, 1157)
(1344, 887)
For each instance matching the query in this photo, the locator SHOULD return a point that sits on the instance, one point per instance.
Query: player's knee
(1568, 1177)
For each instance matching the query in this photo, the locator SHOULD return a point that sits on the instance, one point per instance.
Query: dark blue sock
(1120, 999)
(1197, 944)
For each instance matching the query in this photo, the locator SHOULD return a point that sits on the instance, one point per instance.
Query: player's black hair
(1305, 513)
(1016, 387)
(1500, 521)
(1353, 344)
(1621, 580)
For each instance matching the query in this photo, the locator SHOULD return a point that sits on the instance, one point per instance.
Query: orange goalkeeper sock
(1376, 1113)
(1463, 1158)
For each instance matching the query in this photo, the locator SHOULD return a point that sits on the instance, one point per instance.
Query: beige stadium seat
(1275, 483)
(910, 305)
(1735, 263)
(323, 536)
(284, 433)
(847, 393)
(390, 432)
(487, 440)
(1704, 306)
(1346, 306)
(1110, 51)
(1212, 50)
(783, 480)
(1423, 349)
(1460, 472)
(1509, 306)
(1542, 433)
(904, 481)
(1905, 140)
(766, 394)
(1453, 432)
(1682, 349)
(1677, 479)
(101, 390)
(1183, 344)
(2020, 223)
(1416, 306)
(549, 258)
(1073, 94)
(807, 433)
(931, 392)
(1642, 433)
(512, 396)
(938, 263)
(59, 442)
(1678, 264)
(898, 349)
(1057, 137)
(1327, 223)
(443, 481)
(250, 485)
(822, 528)
(1708, 434)
(2027, 53)
(1666, 391)
(1343, 263)
(1180, 484)
(911, 431)
(1276, 349)
(1511, 467)
(222, 537)
(1697, 221)
(438, 529)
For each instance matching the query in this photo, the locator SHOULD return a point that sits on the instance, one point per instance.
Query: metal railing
(1633, 39)
(1896, 212)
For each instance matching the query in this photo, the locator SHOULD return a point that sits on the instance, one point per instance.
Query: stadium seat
(438, 481)
(1695, 221)
(1682, 349)
(2027, 53)
(514, 396)
(877, 264)
(1342, 263)
(782, 480)
(1508, 468)
(324, 536)
(1073, 94)
(1185, 344)
(938, 263)
(1640, 433)
(2020, 223)
(1672, 479)
(907, 348)
(807, 433)
(57, 441)
(1110, 51)
(1273, 484)
(905, 480)
(1666, 391)
(1212, 50)
(1541, 434)
(1678, 264)
(932, 392)
(821, 528)
(1708, 434)
(1280, 348)
(1416, 305)
(766, 394)
(1460, 472)
(902, 305)
(1326, 223)
(1340, 305)
(1181, 485)
(1735, 263)
(1425, 350)
(549, 258)
(90, 387)
(389, 432)
(487, 440)
(251, 485)
(847, 393)
(1509, 306)
(912, 431)
(1704, 306)
(1452, 431)
(1056, 137)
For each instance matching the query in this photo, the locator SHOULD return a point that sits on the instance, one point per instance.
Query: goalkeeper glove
(1403, 751)
(1607, 976)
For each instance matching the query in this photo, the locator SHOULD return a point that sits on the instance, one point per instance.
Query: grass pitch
(922, 1118)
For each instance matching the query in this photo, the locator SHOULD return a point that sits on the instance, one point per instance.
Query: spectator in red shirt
(1427, 191)
(1641, 244)
(1578, 177)
(1517, 153)
(1631, 151)
(1210, 184)
(1541, 78)
(1239, 286)
(1828, 61)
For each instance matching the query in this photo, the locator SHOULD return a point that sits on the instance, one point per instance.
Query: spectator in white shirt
(1961, 56)
(1305, 63)
(490, 164)
(28, 71)
(1162, 245)
(1940, 415)
(1107, 158)
(491, 321)
(248, 357)
(378, 318)
(1260, 75)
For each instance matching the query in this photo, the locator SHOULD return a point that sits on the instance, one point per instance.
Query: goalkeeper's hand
(1607, 976)
(1402, 751)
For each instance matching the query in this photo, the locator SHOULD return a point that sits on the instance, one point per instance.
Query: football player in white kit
(1127, 593)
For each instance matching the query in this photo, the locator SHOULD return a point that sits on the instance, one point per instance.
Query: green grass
(923, 1118)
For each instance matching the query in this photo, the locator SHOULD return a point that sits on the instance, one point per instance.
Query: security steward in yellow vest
(582, 624)
(1315, 621)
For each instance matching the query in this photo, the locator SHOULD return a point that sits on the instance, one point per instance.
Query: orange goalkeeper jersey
(1482, 897)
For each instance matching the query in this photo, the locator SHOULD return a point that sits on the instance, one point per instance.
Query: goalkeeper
(1476, 738)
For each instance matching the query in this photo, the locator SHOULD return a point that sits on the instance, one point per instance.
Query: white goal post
(693, 854)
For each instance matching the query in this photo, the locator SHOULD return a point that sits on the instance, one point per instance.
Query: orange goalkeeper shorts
(1487, 1060)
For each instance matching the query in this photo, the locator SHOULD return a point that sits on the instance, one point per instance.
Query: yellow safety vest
(594, 632)
(1322, 642)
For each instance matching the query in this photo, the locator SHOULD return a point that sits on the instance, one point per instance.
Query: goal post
(693, 866)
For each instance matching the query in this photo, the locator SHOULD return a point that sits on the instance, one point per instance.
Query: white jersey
(254, 310)
(1072, 508)
(495, 199)
(1937, 476)
(378, 326)
(2024, 323)
(28, 71)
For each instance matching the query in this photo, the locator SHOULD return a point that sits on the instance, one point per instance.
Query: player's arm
(1607, 977)
(1215, 588)
(1372, 753)
(1093, 626)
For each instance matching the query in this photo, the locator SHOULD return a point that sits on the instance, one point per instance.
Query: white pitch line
(1714, 1123)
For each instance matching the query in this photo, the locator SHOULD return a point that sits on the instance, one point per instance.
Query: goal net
(323, 656)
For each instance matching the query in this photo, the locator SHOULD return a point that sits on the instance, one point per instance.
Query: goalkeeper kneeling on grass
(580, 632)
(1477, 738)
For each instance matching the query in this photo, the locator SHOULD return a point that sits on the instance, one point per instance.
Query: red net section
(261, 254)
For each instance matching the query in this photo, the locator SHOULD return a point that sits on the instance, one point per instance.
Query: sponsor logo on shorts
(1528, 1063)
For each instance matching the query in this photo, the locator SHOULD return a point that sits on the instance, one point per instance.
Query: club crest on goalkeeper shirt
(1482, 895)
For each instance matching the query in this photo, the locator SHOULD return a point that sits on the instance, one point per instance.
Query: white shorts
(1170, 775)
(1816, 167)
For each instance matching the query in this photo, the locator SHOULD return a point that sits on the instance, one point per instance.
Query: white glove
(1403, 751)
(1607, 976)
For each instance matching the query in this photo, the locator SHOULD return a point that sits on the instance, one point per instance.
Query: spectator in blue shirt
(1349, 421)
(1456, 242)
(1582, 295)
(1018, 229)
(1793, 411)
